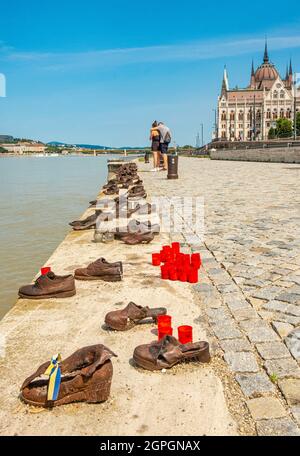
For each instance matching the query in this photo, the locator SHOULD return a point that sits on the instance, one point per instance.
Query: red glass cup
(193, 275)
(162, 255)
(156, 259)
(166, 248)
(196, 260)
(175, 247)
(183, 276)
(165, 331)
(173, 274)
(164, 272)
(164, 320)
(185, 334)
(45, 270)
(180, 259)
(187, 260)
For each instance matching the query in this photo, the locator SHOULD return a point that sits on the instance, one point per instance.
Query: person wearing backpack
(165, 139)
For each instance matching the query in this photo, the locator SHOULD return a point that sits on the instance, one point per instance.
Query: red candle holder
(193, 275)
(183, 276)
(156, 259)
(175, 247)
(45, 270)
(185, 334)
(164, 320)
(196, 260)
(187, 260)
(164, 272)
(165, 331)
(173, 274)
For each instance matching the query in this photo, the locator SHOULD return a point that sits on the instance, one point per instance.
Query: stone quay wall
(275, 155)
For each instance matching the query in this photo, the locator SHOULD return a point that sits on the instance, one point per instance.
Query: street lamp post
(216, 127)
(202, 141)
(295, 106)
(254, 120)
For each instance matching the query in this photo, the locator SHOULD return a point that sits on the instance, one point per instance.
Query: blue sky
(100, 72)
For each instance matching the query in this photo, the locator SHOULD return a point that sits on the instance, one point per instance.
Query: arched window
(275, 115)
(241, 115)
(258, 114)
(282, 94)
(232, 115)
(288, 114)
(223, 115)
(268, 114)
(281, 113)
(275, 94)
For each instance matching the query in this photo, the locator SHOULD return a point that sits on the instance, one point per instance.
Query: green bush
(284, 128)
(272, 133)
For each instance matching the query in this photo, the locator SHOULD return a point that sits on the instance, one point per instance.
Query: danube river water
(38, 197)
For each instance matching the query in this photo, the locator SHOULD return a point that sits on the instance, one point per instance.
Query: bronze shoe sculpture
(49, 285)
(167, 352)
(131, 315)
(86, 376)
(101, 270)
(87, 223)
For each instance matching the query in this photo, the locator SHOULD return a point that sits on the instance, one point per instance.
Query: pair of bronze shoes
(156, 355)
(101, 270)
(51, 285)
(87, 223)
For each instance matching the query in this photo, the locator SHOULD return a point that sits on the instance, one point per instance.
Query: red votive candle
(162, 255)
(187, 260)
(196, 260)
(164, 331)
(173, 274)
(185, 334)
(156, 259)
(164, 272)
(45, 270)
(175, 247)
(183, 276)
(193, 275)
(164, 320)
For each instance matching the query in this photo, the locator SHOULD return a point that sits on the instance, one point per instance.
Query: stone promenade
(250, 283)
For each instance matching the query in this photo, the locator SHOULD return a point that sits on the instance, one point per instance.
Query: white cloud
(166, 53)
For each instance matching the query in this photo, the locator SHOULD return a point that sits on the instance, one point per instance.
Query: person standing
(155, 145)
(165, 139)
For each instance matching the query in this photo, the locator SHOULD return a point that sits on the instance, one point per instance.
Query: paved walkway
(186, 400)
(251, 254)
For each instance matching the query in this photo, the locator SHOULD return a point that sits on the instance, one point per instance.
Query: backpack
(167, 138)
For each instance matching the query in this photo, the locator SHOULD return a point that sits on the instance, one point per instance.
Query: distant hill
(91, 146)
(6, 139)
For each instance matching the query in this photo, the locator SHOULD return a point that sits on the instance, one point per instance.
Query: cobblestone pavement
(250, 281)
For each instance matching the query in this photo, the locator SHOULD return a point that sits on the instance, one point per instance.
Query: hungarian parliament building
(249, 113)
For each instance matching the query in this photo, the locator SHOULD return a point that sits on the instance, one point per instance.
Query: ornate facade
(248, 114)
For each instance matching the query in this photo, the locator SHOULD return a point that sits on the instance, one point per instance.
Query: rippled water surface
(38, 197)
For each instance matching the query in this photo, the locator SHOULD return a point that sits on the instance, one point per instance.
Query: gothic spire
(266, 55)
(290, 69)
(225, 85)
(287, 72)
(252, 69)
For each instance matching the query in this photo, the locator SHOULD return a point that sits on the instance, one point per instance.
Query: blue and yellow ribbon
(54, 373)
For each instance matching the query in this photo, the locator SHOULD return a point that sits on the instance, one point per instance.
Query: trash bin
(172, 166)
